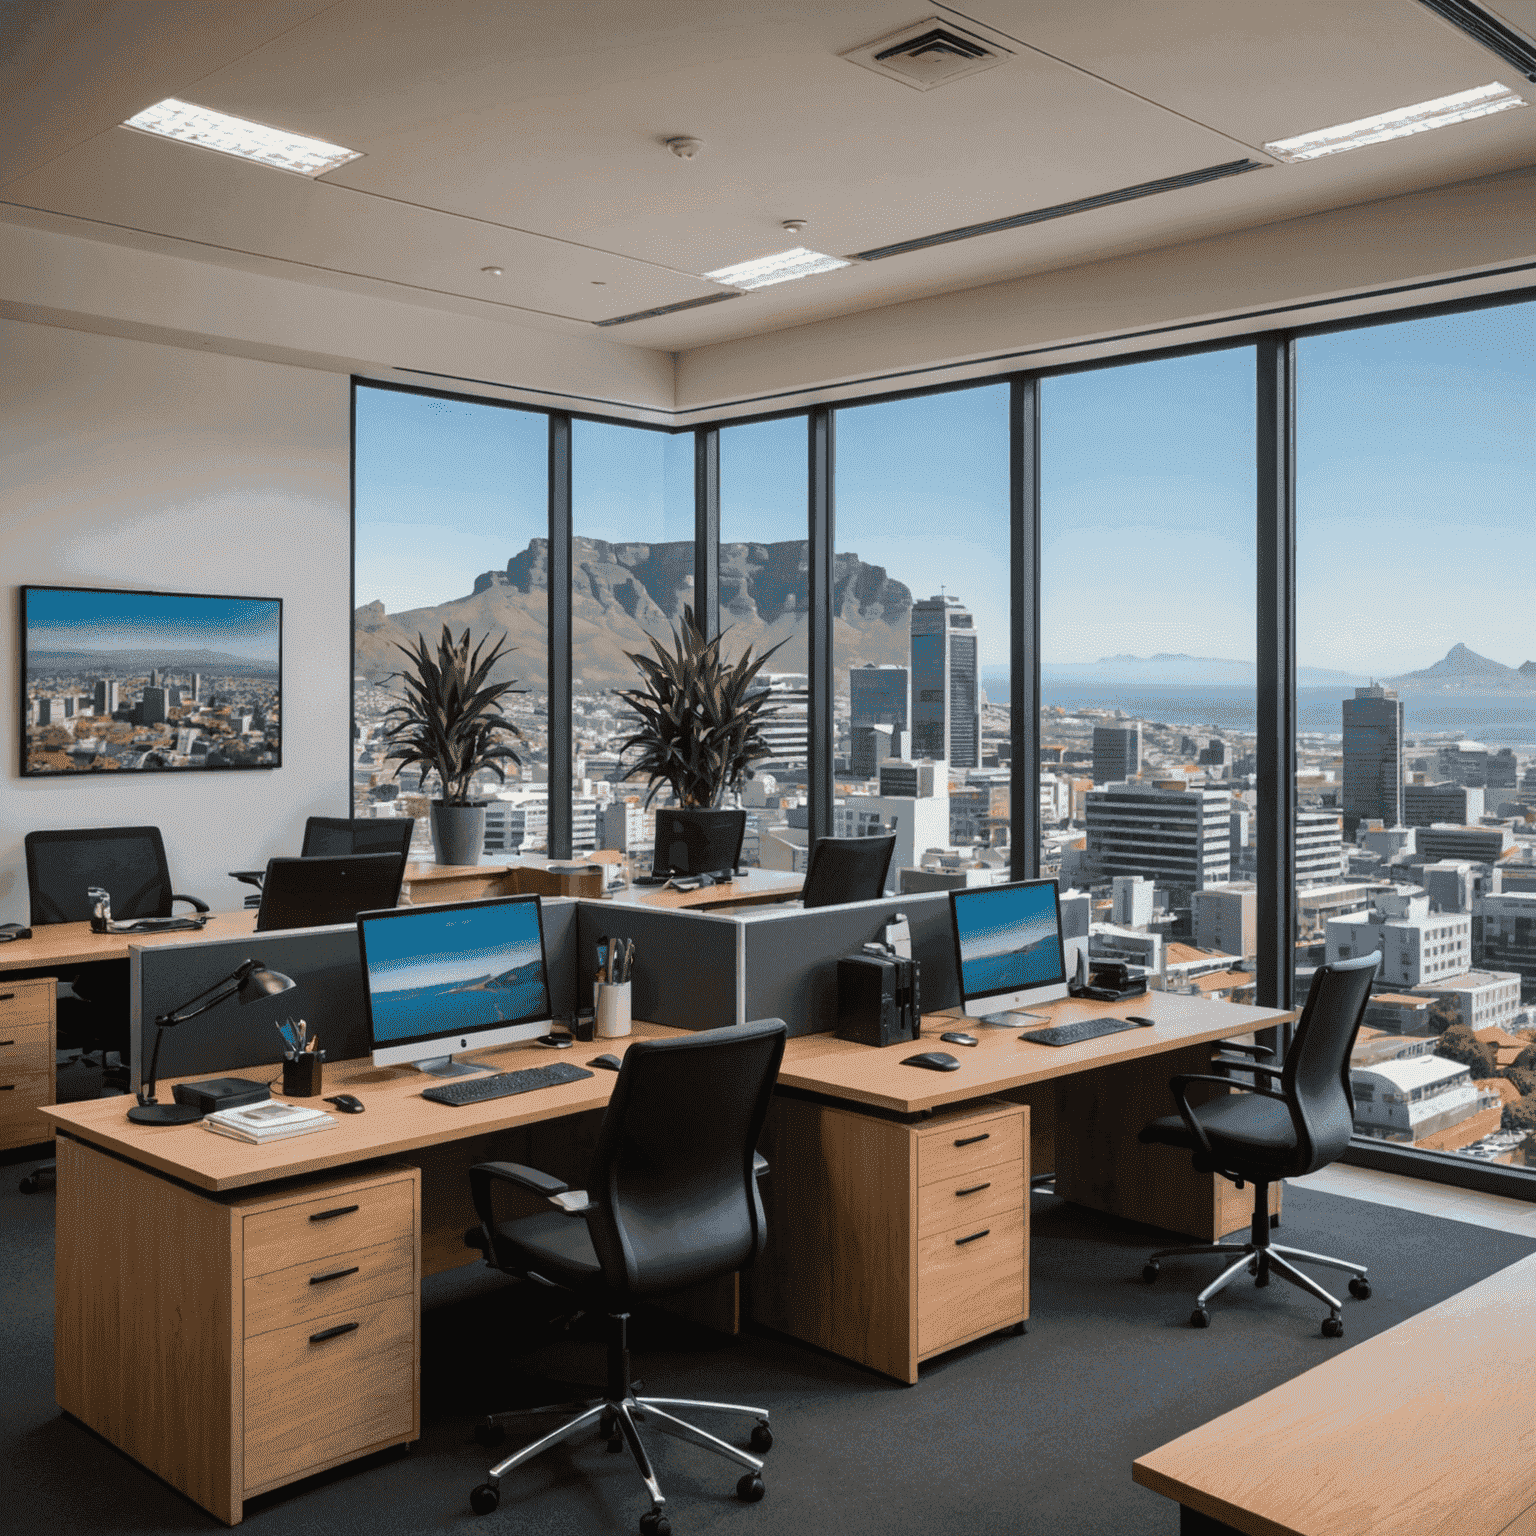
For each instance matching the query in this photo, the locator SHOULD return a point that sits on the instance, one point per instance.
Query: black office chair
(129, 864)
(672, 1200)
(1299, 1123)
(338, 836)
(847, 869)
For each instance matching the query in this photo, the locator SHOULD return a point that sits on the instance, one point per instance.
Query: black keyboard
(474, 1090)
(1078, 1031)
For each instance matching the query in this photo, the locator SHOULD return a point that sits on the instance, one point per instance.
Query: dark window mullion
(706, 528)
(820, 525)
(1024, 647)
(558, 669)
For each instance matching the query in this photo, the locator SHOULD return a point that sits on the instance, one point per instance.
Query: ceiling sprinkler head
(685, 148)
(794, 226)
(492, 271)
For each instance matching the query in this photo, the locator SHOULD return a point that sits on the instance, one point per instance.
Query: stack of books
(269, 1121)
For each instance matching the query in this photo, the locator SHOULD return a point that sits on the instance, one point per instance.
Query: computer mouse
(557, 1038)
(1142, 1019)
(935, 1061)
(612, 1063)
(958, 1037)
(347, 1104)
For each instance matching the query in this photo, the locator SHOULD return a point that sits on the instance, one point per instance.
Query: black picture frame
(237, 691)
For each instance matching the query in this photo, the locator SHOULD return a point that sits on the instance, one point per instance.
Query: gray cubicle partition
(325, 964)
(790, 956)
(688, 972)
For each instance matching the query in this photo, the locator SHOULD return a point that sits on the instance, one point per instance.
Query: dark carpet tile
(1007, 1437)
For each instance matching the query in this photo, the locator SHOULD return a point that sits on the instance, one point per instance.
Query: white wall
(128, 464)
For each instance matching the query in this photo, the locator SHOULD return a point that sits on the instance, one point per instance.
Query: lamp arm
(212, 996)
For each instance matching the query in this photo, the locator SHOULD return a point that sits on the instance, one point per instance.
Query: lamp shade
(264, 983)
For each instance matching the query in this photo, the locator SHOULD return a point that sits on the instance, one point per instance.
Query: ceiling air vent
(1062, 210)
(928, 53)
(1486, 29)
(668, 309)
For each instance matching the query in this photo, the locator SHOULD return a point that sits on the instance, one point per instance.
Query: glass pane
(631, 578)
(451, 528)
(1416, 475)
(764, 603)
(1147, 666)
(921, 631)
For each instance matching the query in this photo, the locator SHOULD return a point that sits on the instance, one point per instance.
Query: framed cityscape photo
(149, 682)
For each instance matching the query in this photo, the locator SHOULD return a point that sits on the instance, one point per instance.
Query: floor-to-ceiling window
(1416, 548)
(1147, 651)
(920, 628)
(451, 527)
(632, 576)
(764, 604)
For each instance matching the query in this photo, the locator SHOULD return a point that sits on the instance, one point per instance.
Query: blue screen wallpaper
(1008, 939)
(442, 970)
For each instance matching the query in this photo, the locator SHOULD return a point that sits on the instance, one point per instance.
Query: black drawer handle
(6, 997)
(975, 1189)
(960, 1242)
(341, 1210)
(7, 1042)
(335, 1274)
(332, 1333)
(6, 1087)
(968, 1141)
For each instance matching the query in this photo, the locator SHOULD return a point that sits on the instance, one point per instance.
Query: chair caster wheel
(1360, 1289)
(484, 1499)
(1200, 1318)
(31, 1184)
(750, 1489)
(654, 1523)
(1150, 1272)
(489, 1434)
(762, 1439)
(1333, 1327)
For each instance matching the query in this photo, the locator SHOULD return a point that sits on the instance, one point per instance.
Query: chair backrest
(312, 892)
(336, 836)
(127, 862)
(1315, 1076)
(672, 1169)
(847, 869)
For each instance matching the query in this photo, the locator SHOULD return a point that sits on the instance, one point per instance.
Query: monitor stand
(446, 1066)
(1009, 1020)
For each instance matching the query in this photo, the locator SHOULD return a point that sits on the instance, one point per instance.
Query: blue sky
(1416, 474)
(69, 620)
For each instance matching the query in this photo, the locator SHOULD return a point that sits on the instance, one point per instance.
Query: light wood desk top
(396, 1118)
(75, 944)
(453, 882)
(755, 888)
(846, 1070)
(1423, 1430)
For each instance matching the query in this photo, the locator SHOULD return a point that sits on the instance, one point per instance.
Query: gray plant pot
(458, 833)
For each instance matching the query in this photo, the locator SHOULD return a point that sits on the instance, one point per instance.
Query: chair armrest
(1184, 1079)
(1275, 1074)
(193, 902)
(483, 1175)
(249, 876)
(759, 1165)
(1248, 1050)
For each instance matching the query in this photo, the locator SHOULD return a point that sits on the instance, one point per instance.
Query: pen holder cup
(612, 1009)
(302, 1077)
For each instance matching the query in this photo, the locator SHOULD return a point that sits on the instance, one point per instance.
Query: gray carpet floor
(1009, 1435)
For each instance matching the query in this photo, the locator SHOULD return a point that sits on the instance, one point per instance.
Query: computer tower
(878, 999)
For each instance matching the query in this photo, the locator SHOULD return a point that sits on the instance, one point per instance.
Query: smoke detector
(685, 148)
(930, 52)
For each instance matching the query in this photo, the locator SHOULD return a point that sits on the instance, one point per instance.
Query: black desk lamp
(252, 980)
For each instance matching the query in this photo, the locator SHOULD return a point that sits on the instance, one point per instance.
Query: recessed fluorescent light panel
(1397, 124)
(782, 268)
(191, 124)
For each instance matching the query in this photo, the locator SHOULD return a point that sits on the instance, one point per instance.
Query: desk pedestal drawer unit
(233, 1345)
(889, 1243)
(26, 1059)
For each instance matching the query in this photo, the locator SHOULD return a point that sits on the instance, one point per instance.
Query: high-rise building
(1116, 753)
(1425, 804)
(197, 687)
(872, 745)
(152, 707)
(1373, 757)
(1226, 918)
(946, 701)
(105, 696)
(1180, 838)
(879, 696)
(786, 720)
(1319, 847)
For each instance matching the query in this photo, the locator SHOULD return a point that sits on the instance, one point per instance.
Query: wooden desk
(531, 876)
(189, 1330)
(61, 944)
(756, 888)
(1423, 1430)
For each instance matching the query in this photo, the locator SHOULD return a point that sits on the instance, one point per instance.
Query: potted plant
(450, 724)
(700, 718)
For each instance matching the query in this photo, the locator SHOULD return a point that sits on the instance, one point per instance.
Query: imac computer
(1008, 947)
(696, 842)
(456, 977)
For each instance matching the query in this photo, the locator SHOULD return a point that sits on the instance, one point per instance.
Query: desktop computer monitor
(1008, 946)
(455, 977)
(310, 893)
(694, 842)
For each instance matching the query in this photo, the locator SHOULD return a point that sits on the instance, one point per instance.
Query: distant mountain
(1462, 670)
(130, 663)
(620, 593)
(1163, 668)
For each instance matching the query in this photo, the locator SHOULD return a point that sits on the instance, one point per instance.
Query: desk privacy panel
(687, 964)
(326, 965)
(791, 956)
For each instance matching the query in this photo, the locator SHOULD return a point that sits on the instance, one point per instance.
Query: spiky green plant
(700, 719)
(449, 722)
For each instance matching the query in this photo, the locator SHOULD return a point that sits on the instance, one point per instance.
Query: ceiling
(532, 137)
